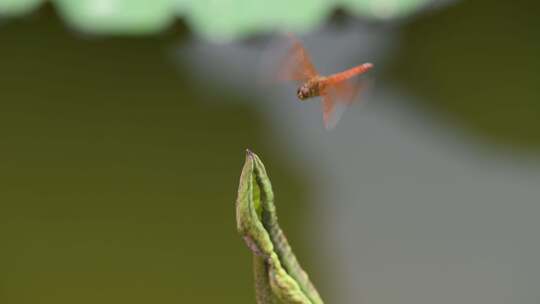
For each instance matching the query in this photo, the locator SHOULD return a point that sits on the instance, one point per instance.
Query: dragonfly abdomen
(357, 70)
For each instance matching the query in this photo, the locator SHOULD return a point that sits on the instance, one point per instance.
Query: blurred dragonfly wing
(338, 97)
(286, 60)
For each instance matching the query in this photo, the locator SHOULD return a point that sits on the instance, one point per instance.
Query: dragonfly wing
(285, 60)
(337, 97)
(297, 64)
(332, 112)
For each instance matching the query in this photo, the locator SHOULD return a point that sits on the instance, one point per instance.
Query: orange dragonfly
(336, 90)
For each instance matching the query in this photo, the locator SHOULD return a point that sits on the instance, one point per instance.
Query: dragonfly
(337, 90)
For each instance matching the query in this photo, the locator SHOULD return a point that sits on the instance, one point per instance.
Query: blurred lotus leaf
(213, 19)
(117, 16)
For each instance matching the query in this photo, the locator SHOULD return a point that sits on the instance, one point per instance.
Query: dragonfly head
(303, 92)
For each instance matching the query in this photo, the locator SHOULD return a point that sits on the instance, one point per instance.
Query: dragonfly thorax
(309, 89)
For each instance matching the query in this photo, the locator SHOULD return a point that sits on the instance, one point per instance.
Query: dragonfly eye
(302, 93)
(299, 93)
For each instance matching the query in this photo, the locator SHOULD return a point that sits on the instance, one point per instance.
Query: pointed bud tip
(249, 153)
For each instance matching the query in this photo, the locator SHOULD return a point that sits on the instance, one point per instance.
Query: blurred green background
(118, 176)
(118, 181)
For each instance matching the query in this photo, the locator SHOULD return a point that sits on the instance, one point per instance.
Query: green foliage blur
(217, 20)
